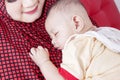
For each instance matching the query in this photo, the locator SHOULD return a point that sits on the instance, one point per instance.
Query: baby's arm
(40, 56)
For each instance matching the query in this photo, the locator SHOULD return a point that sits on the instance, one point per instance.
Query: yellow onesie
(88, 58)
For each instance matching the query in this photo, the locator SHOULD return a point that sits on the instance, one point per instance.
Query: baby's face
(59, 29)
(24, 10)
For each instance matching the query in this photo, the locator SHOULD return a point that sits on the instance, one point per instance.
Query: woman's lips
(32, 11)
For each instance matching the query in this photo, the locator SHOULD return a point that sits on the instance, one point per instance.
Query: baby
(88, 52)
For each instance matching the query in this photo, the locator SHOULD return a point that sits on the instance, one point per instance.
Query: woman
(22, 27)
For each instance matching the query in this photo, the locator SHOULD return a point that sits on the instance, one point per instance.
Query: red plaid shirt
(16, 39)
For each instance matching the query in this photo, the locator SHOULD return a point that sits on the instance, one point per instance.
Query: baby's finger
(33, 51)
(31, 56)
(39, 47)
(46, 50)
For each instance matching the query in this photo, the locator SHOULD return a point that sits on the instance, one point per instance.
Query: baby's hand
(39, 55)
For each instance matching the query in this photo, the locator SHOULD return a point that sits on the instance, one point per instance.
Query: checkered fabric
(16, 39)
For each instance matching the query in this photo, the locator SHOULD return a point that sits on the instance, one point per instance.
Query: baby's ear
(78, 22)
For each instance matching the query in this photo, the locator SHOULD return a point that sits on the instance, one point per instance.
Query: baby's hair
(63, 5)
(69, 8)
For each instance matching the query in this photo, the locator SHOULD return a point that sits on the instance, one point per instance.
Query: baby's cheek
(63, 43)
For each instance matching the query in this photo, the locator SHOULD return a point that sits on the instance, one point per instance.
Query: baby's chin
(59, 48)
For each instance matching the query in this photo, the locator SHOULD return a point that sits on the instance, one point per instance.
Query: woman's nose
(28, 3)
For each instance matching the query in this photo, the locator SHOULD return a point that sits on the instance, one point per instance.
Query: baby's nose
(53, 42)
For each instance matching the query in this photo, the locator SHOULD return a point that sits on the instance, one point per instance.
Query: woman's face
(24, 10)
